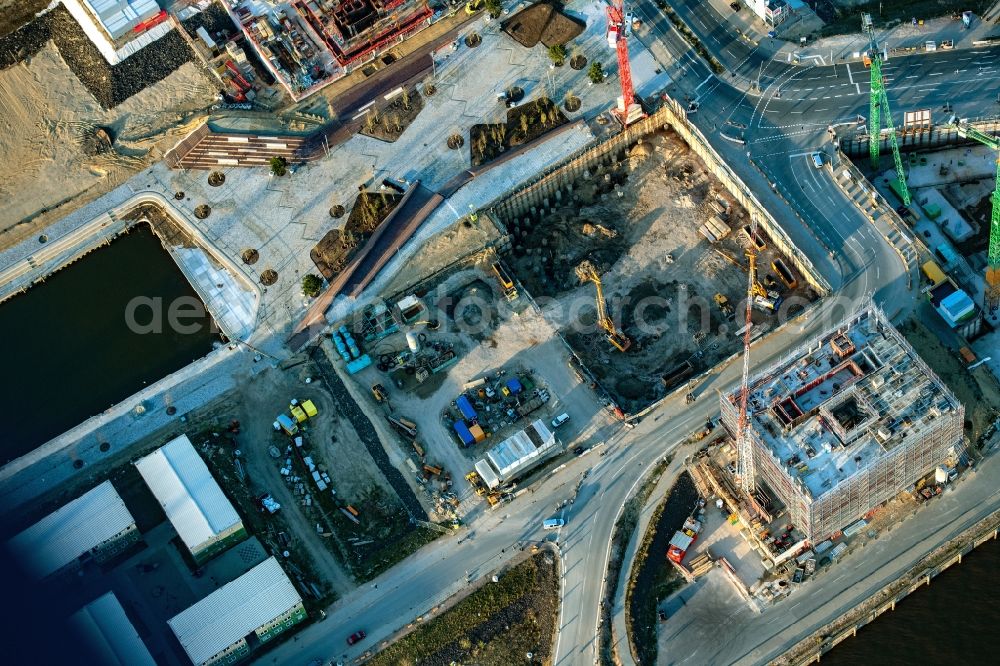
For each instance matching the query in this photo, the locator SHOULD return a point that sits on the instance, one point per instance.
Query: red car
(355, 637)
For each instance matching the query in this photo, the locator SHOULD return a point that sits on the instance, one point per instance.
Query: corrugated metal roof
(191, 498)
(518, 450)
(63, 536)
(109, 635)
(120, 16)
(234, 610)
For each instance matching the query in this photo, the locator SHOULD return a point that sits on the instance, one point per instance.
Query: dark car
(355, 637)
(735, 6)
(579, 451)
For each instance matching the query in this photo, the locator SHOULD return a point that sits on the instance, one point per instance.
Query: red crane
(618, 38)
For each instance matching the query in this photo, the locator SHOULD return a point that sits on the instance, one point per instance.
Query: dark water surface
(67, 352)
(954, 621)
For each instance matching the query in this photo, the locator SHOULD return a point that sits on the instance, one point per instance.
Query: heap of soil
(336, 248)
(524, 123)
(542, 22)
(95, 141)
(110, 85)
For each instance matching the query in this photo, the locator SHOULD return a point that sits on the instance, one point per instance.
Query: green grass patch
(652, 578)
(619, 542)
(496, 625)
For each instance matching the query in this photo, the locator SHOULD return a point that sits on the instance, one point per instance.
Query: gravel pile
(214, 19)
(109, 85)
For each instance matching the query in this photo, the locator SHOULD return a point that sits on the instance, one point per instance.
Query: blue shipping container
(514, 385)
(464, 434)
(465, 407)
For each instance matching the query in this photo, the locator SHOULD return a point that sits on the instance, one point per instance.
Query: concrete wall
(549, 188)
(909, 140)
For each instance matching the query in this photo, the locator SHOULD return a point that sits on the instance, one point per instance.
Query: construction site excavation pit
(93, 334)
(667, 243)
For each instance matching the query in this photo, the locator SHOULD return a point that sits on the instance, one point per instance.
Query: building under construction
(846, 422)
(354, 30)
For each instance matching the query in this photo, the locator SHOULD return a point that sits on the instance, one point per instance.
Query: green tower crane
(992, 291)
(879, 109)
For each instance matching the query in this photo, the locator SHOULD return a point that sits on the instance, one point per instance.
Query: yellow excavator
(618, 340)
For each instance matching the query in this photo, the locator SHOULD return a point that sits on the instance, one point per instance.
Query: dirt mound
(542, 22)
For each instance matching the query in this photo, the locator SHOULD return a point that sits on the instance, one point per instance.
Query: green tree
(494, 7)
(279, 165)
(596, 72)
(311, 285)
(557, 54)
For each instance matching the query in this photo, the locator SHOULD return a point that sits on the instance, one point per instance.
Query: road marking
(910, 77)
(936, 74)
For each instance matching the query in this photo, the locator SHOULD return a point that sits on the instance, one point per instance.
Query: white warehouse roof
(118, 17)
(110, 637)
(190, 496)
(63, 536)
(234, 610)
(521, 449)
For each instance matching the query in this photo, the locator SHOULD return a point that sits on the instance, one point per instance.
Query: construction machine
(618, 340)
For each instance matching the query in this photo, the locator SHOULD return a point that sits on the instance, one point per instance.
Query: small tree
(494, 7)
(596, 72)
(406, 99)
(557, 54)
(311, 285)
(279, 165)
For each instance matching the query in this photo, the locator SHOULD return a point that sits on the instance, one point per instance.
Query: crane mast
(992, 291)
(628, 111)
(878, 110)
(744, 448)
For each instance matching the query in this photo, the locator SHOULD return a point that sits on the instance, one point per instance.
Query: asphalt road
(826, 227)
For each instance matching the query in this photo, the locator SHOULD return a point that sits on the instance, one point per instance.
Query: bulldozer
(618, 340)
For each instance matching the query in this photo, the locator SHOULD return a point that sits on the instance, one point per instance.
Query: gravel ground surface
(366, 431)
(110, 85)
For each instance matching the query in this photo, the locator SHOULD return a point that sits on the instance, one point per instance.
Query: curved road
(780, 127)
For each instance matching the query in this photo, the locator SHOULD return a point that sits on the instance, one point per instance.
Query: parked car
(735, 6)
(355, 637)
(579, 451)
(560, 420)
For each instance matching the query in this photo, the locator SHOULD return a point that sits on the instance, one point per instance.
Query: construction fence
(926, 138)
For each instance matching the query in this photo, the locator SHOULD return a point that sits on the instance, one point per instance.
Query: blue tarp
(466, 408)
(464, 434)
(514, 385)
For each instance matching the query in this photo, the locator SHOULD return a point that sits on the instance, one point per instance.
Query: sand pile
(50, 138)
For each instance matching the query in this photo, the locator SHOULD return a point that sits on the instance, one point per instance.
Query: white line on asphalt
(910, 77)
(936, 74)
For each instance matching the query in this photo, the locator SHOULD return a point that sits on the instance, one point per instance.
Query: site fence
(555, 184)
(918, 138)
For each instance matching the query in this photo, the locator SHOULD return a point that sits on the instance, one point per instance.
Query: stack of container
(349, 351)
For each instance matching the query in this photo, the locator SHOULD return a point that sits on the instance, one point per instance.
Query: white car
(560, 420)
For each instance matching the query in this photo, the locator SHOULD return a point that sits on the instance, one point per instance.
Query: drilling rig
(992, 290)
(878, 110)
(628, 110)
(618, 340)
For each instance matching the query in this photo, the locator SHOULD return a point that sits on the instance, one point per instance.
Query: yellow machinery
(619, 340)
(757, 289)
